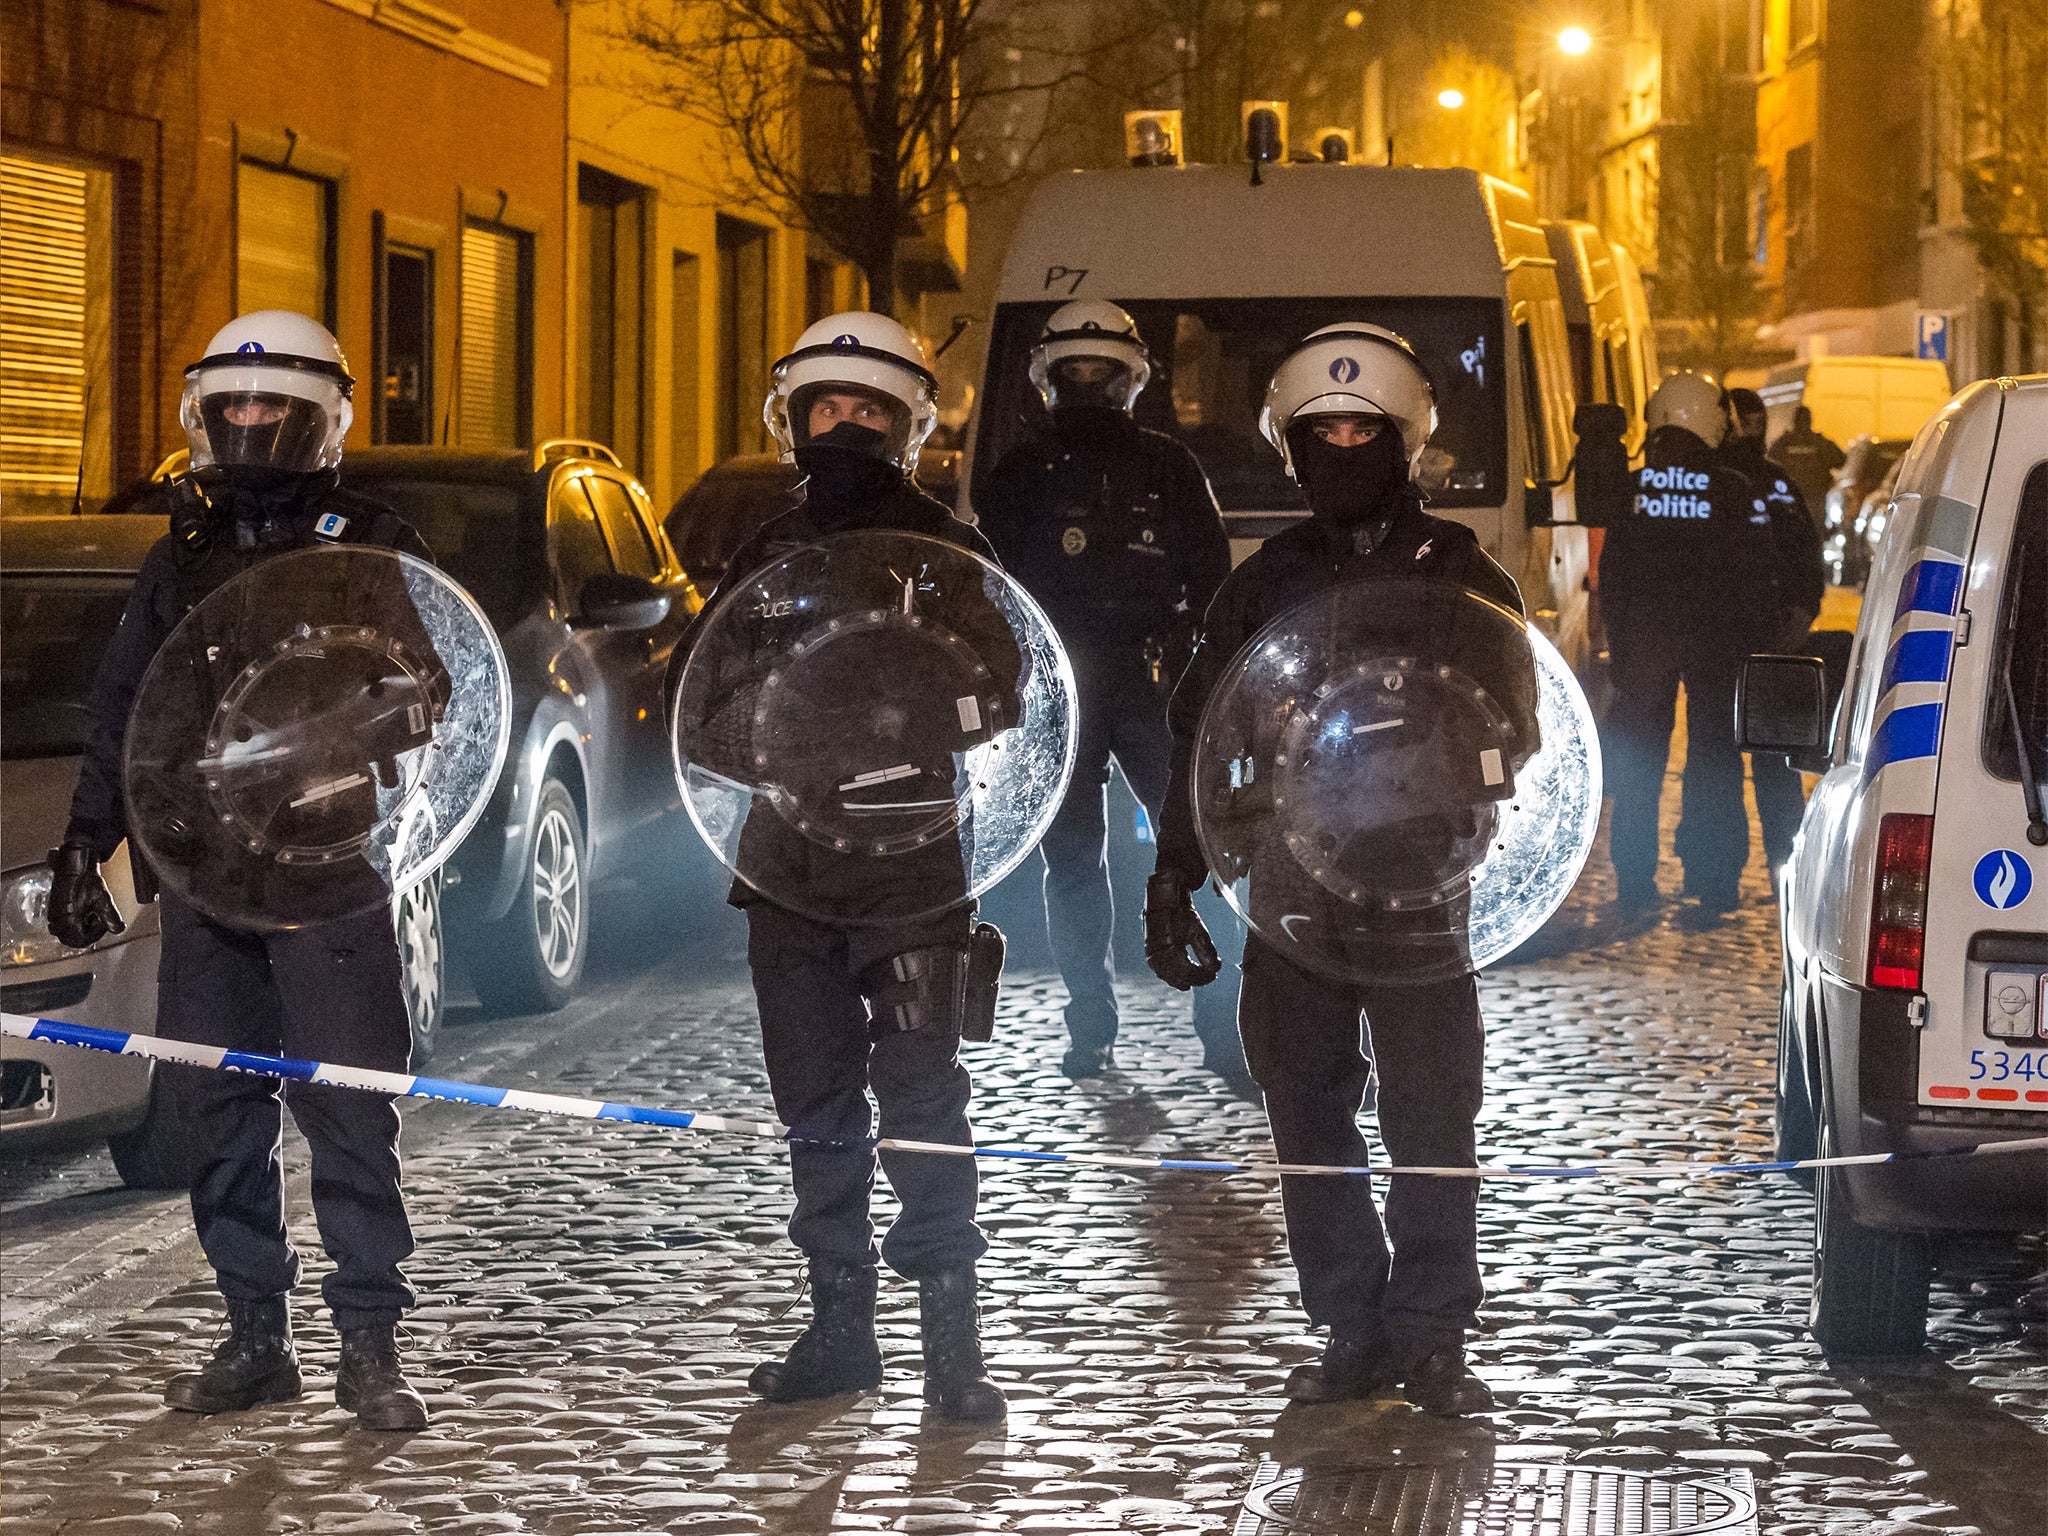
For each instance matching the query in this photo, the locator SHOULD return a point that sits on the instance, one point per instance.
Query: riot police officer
(265, 412)
(1350, 411)
(1688, 590)
(1113, 529)
(1799, 582)
(849, 1008)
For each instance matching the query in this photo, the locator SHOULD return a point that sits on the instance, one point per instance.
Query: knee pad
(942, 986)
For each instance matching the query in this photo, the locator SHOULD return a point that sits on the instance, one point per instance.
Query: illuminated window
(284, 242)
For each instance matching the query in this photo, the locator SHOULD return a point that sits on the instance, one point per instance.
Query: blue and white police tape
(401, 1085)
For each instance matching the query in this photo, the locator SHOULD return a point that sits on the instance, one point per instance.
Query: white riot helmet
(1692, 401)
(1097, 330)
(864, 353)
(1351, 369)
(272, 392)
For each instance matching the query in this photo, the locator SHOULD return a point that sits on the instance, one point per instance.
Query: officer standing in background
(1809, 459)
(1350, 411)
(265, 412)
(1113, 529)
(1800, 581)
(1689, 588)
(847, 1008)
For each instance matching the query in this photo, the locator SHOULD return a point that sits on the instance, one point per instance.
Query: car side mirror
(614, 600)
(1781, 709)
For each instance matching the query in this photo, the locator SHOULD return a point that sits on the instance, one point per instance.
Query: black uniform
(1301, 1031)
(1113, 529)
(814, 982)
(1688, 588)
(330, 992)
(1809, 460)
(1799, 583)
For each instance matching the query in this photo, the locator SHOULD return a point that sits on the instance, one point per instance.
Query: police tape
(402, 1085)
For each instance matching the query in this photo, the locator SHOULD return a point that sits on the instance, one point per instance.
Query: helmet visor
(260, 429)
(1084, 380)
(815, 409)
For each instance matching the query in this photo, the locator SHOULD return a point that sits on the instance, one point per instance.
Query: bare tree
(1992, 58)
(846, 117)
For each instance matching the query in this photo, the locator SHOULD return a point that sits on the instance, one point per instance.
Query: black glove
(82, 912)
(1172, 929)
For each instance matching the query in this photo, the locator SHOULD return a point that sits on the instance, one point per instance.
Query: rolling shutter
(491, 341)
(282, 243)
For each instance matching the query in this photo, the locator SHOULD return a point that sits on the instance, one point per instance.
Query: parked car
(1868, 461)
(560, 547)
(64, 583)
(721, 510)
(1874, 516)
(1915, 931)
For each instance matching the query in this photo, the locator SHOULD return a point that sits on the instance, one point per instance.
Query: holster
(940, 986)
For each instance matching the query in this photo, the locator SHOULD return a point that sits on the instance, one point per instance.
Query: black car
(560, 548)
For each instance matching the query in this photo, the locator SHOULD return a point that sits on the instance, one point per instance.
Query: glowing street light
(1574, 41)
(1450, 100)
(1354, 19)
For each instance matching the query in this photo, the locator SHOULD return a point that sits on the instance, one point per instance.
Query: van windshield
(1211, 359)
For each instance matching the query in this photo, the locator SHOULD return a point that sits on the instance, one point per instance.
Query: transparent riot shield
(317, 734)
(875, 728)
(1397, 782)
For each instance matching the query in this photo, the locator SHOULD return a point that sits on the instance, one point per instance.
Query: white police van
(1915, 907)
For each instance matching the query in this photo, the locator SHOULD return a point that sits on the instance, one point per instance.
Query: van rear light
(1898, 913)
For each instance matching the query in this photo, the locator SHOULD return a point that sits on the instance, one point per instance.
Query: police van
(1606, 321)
(1915, 906)
(1224, 273)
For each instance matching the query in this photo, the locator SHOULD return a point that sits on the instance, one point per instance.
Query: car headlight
(25, 937)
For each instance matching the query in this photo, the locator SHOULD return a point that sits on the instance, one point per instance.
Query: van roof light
(1152, 137)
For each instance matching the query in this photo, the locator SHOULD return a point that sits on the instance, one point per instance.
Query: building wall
(419, 125)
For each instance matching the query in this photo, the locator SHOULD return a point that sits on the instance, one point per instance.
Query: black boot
(955, 1381)
(255, 1363)
(371, 1385)
(1085, 1061)
(838, 1352)
(1354, 1366)
(1442, 1383)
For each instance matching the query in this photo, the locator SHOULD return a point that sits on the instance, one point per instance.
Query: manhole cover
(1499, 1497)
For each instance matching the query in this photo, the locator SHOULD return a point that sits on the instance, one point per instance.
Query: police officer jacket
(1694, 555)
(1798, 576)
(1113, 528)
(210, 543)
(1283, 573)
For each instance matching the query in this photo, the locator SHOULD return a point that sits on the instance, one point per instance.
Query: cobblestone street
(594, 1294)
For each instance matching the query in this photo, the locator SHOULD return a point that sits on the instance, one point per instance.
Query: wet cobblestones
(595, 1294)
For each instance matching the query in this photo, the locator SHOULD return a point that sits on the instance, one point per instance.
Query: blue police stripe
(57, 1032)
(1917, 656)
(268, 1066)
(1932, 586)
(633, 1114)
(1903, 735)
(458, 1093)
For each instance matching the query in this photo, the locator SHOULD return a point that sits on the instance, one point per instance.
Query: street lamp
(1450, 100)
(1574, 41)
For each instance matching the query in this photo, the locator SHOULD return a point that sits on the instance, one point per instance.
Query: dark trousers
(1302, 1038)
(1780, 792)
(823, 1058)
(327, 993)
(1713, 833)
(1122, 717)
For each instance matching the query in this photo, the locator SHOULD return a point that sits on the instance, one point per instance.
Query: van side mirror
(1781, 709)
(614, 600)
(1539, 503)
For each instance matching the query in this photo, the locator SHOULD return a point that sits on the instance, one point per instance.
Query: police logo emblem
(1146, 535)
(1344, 369)
(329, 526)
(1073, 541)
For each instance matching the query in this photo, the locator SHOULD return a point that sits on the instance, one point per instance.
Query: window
(683, 432)
(1799, 242)
(742, 335)
(53, 631)
(2022, 649)
(56, 330)
(576, 545)
(611, 220)
(494, 378)
(405, 346)
(284, 242)
(480, 531)
(632, 551)
(1804, 22)
(818, 289)
(1532, 405)
(1211, 359)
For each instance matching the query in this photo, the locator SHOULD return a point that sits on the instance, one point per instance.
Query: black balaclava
(846, 470)
(1359, 489)
(1090, 413)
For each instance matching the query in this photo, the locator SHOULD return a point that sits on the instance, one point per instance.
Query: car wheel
(1797, 1133)
(423, 965)
(157, 1154)
(533, 957)
(1869, 1286)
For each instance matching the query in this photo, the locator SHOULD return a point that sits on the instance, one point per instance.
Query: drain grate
(1498, 1497)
